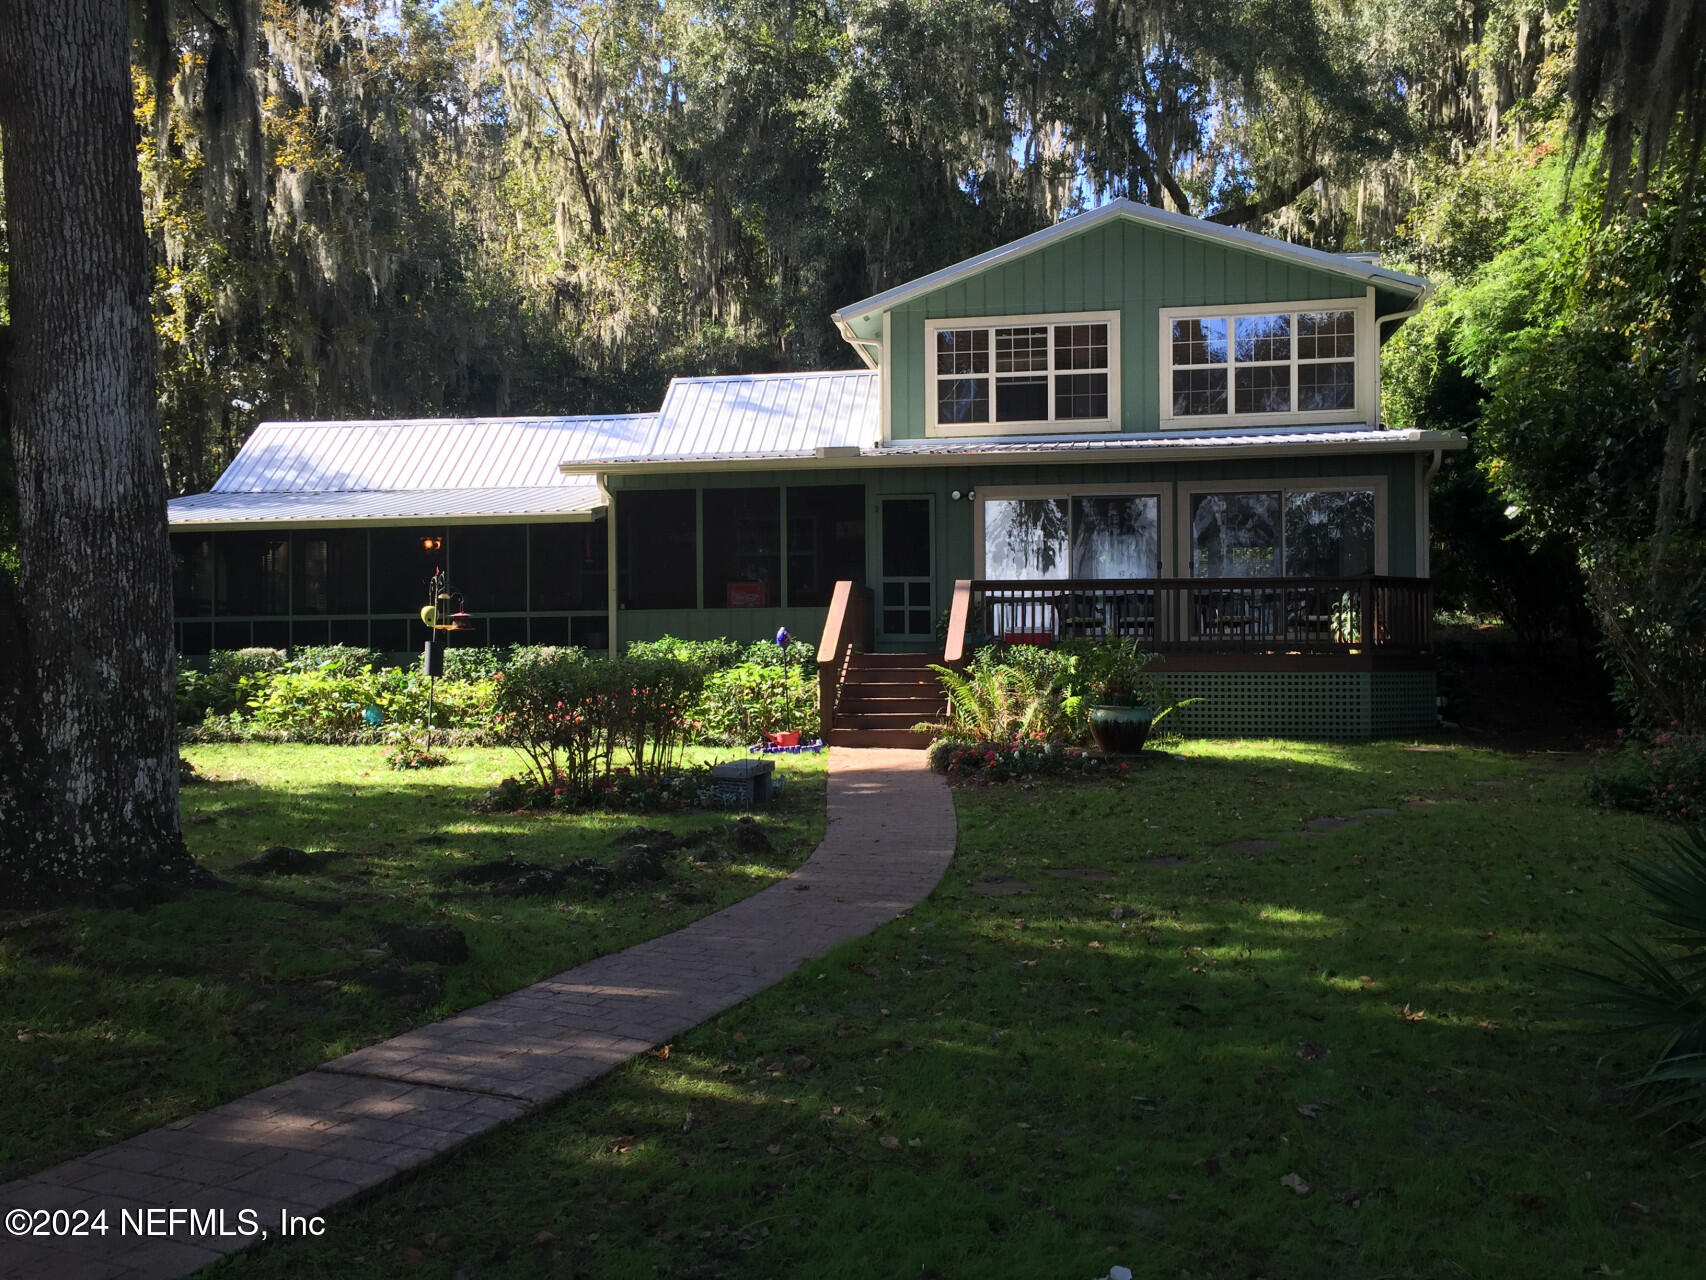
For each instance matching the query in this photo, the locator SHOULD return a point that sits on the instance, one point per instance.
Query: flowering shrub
(988, 761)
(621, 791)
(411, 755)
(1664, 776)
(569, 714)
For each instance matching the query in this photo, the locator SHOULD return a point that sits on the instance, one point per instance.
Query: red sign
(746, 595)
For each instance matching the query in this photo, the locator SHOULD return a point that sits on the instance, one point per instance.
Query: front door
(906, 616)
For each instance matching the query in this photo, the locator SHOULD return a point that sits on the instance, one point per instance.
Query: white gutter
(828, 459)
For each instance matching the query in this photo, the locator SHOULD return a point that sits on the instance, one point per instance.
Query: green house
(1131, 423)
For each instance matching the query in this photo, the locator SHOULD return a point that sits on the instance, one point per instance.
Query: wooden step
(917, 708)
(880, 719)
(878, 661)
(878, 738)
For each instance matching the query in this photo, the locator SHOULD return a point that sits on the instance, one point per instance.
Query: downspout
(1379, 345)
(609, 559)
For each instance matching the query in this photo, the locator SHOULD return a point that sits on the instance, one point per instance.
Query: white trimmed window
(1266, 365)
(1023, 373)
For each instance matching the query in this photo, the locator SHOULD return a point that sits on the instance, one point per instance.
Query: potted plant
(1121, 710)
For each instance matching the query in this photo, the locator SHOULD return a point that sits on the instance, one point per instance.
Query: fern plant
(1663, 986)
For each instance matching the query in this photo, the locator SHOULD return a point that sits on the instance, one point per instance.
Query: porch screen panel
(252, 575)
(826, 540)
(402, 567)
(1235, 535)
(488, 563)
(192, 575)
(743, 546)
(331, 572)
(655, 548)
(1026, 538)
(1329, 534)
(568, 568)
(1116, 537)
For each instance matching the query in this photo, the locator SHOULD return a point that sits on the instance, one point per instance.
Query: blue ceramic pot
(1120, 731)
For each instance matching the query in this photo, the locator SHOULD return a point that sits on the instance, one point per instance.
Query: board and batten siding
(953, 532)
(1122, 266)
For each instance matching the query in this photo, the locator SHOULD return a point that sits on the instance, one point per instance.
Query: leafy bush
(704, 655)
(214, 690)
(477, 662)
(1664, 775)
(332, 659)
(1665, 987)
(741, 704)
(621, 791)
(767, 653)
(314, 704)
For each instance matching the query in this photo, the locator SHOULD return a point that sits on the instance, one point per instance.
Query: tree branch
(1273, 202)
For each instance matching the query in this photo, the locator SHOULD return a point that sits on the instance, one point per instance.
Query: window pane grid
(1278, 363)
(1025, 358)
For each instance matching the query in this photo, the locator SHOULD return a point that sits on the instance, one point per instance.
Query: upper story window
(1265, 365)
(1029, 373)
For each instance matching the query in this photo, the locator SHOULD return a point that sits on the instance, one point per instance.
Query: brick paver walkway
(309, 1144)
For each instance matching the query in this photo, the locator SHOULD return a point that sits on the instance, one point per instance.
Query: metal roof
(1168, 446)
(412, 469)
(424, 453)
(867, 314)
(765, 413)
(577, 499)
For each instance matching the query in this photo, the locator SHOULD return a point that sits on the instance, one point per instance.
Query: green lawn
(113, 1021)
(1344, 1057)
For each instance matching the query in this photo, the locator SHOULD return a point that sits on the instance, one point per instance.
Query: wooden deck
(1228, 624)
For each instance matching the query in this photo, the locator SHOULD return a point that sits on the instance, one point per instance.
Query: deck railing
(846, 630)
(1200, 615)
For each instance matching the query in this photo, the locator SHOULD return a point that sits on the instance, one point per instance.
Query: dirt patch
(1165, 860)
(1252, 846)
(1080, 873)
(282, 860)
(1002, 886)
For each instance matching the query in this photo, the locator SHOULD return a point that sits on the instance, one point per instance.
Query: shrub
(704, 655)
(214, 688)
(332, 659)
(312, 704)
(741, 704)
(477, 662)
(1664, 991)
(1664, 775)
(767, 653)
(1008, 694)
(568, 714)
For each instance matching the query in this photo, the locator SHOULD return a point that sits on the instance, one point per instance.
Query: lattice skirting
(1325, 705)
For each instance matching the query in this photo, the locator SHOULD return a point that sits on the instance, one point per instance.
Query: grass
(113, 1021)
(1345, 1057)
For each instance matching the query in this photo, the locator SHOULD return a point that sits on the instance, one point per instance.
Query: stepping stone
(1492, 782)
(1330, 824)
(1080, 873)
(1420, 804)
(1252, 846)
(1002, 886)
(1377, 811)
(1165, 860)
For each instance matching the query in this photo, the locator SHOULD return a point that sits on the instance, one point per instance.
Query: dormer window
(1266, 365)
(1023, 374)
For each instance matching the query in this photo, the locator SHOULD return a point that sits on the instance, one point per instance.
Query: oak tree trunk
(88, 758)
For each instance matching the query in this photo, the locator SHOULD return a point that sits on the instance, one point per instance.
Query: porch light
(432, 544)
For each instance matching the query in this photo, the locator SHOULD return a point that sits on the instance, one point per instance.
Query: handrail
(954, 649)
(847, 629)
(1229, 615)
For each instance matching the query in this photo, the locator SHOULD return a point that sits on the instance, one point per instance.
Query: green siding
(1124, 266)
